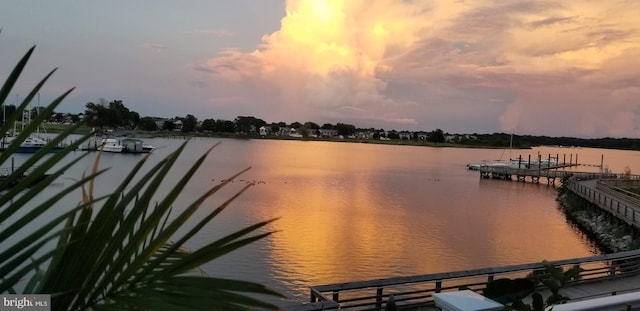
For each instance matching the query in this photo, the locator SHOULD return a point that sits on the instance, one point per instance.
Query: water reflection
(360, 211)
(356, 211)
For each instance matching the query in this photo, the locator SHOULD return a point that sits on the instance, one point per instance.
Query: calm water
(351, 212)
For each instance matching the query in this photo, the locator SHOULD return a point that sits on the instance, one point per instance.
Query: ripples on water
(350, 212)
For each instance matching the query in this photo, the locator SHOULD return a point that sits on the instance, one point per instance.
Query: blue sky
(527, 67)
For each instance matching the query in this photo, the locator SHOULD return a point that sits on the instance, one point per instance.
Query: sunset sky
(560, 68)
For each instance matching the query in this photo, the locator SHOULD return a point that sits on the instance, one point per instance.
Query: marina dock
(550, 169)
(549, 173)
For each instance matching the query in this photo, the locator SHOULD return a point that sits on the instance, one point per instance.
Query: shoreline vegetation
(484, 141)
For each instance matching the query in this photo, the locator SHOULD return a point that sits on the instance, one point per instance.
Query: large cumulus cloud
(539, 67)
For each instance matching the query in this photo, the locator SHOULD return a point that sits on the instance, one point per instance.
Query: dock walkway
(550, 173)
(610, 195)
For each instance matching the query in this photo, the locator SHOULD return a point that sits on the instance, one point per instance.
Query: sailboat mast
(510, 146)
(17, 105)
(38, 111)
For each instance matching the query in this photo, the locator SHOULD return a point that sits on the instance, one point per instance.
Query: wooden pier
(550, 168)
(550, 172)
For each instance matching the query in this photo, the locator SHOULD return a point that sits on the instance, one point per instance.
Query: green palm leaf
(115, 252)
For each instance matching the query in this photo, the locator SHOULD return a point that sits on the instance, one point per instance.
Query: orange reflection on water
(517, 231)
(348, 224)
(352, 212)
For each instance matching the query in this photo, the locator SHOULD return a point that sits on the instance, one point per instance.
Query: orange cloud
(327, 56)
(431, 63)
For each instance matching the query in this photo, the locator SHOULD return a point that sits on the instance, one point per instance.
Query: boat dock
(129, 145)
(550, 172)
(549, 168)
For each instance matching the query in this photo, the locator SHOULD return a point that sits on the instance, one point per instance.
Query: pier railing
(416, 291)
(623, 204)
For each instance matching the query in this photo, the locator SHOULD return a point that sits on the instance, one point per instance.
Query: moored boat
(473, 166)
(133, 145)
(31, 144)
(111, 145)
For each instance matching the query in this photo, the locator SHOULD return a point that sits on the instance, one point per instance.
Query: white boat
(133, 145)
(501, 164)
(473, 166)
(111, 145)
(31, 144)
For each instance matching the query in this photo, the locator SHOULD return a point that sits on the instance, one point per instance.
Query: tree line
(116, 115)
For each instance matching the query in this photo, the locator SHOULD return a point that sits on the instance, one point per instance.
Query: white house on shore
(264, 130)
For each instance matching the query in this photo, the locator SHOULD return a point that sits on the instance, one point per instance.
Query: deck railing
(418, 290)
(619, 202)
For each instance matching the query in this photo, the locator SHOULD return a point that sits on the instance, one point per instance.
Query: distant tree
(189, 124)
(393, 135)
(227, 126)
(134, 119)
(275, 127)
(248, 124)
(304, 131)
(119, 114)
(327, 126)
(437, 136)
(345, 129)
(311, 125)
(7, 111)
(296, 125)
(113, 114)
(57, 117)
(220, 126)
(168, 125)
(96, 115)
(147, 124)
(208, 125)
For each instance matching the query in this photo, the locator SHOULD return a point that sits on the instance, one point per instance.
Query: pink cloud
(556, 68)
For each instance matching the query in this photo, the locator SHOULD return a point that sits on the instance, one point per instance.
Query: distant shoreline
(483, 141)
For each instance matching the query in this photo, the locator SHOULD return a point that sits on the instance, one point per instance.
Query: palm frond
(113, 252)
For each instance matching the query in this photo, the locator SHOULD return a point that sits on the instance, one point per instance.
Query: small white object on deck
(465, 300)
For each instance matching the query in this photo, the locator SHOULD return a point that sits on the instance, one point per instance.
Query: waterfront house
(264, 130)
(328, 133)
(177, 125)
(405, 135)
